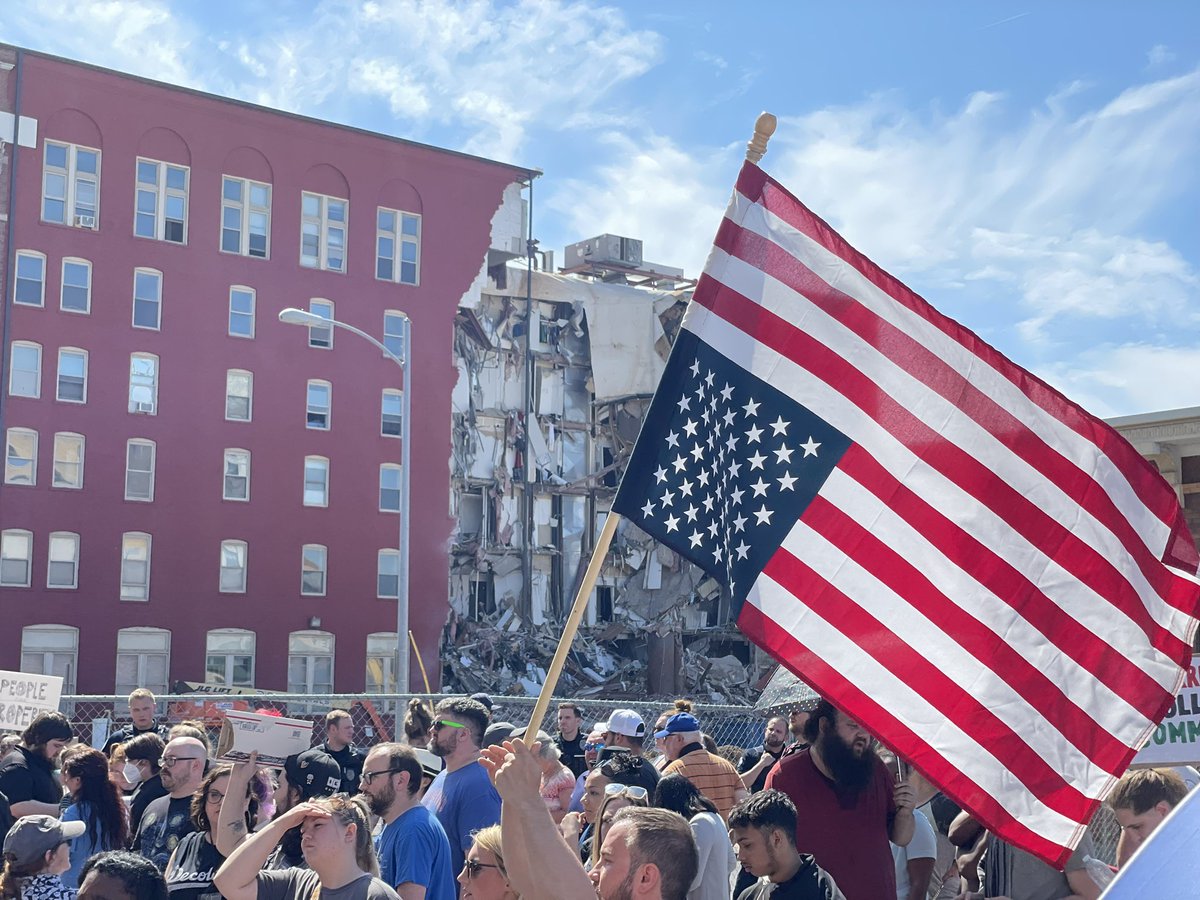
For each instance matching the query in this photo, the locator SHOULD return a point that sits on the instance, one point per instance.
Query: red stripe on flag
(756, 185)
(923, 365)
(954, 464)
(1106, 664)
(823, 678)
(926, 680)
(984, 645)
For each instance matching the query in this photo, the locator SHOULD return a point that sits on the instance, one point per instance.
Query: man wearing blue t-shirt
(414, 854)
(462, 796)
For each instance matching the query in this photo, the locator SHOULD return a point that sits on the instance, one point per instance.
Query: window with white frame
(76, 293)
(229, 657)
(313, 561)
(71, 185)
(72, 375)
(245, 217)
(160, 210)
(316, 481)
(147, 299)
(139, 469)
(20, 456)
(68, 460)
(25, 370)
(397, 230)
(323, 232)
(387, 582)
(319, 399)
(241, 311)
(321, 335)
(135, 566)
(394, 332)
(143, 383)
(62, 569)
(237, 475)
(239, 395)
(51, 650)
(310, 662)
(391, 413)
(233, 567)
(143, 660)
(30, 288)
(16, 557)
(381, 662)
(389, 487)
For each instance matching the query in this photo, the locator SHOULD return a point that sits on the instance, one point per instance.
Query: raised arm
(231, 823)
(237, 879)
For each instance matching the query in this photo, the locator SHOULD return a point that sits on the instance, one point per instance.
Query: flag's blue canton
(724, 465)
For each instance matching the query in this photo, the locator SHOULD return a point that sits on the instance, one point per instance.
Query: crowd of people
(470, 806)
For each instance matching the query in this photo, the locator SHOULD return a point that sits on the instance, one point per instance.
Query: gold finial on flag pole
(764, 127)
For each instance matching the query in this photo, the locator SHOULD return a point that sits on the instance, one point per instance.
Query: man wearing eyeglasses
(168, 820)
(462, 796)
(414, 853)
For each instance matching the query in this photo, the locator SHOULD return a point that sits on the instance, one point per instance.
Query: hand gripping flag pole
(764, 127)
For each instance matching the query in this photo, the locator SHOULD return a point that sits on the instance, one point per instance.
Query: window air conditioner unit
(85, 221)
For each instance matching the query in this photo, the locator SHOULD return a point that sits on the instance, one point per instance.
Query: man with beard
(462, 796)
(414, 854)
(757, 762)
(852, 807)
(168, 820)
(763, 829)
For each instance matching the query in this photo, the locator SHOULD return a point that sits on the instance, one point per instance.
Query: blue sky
(1029, 168)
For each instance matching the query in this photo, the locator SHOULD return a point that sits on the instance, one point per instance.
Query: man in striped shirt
(713, 776)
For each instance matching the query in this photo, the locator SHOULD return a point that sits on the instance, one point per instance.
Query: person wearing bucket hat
(36, 852)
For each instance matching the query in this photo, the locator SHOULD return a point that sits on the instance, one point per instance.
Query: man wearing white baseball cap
(626, 731)
(36, 852)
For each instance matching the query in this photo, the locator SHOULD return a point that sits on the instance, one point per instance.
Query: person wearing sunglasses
(462, 796)
(616, 797)
(167, 820)
(414, 853)
(195, 861)
(483, 875)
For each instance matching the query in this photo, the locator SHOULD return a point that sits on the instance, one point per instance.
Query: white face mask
(132, 773)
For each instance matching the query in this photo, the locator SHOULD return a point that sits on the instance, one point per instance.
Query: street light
(293, 316)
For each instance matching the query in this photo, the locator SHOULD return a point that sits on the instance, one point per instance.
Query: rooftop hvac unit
(607, 249)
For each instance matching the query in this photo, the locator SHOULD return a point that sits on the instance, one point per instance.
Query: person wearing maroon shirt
(850, 805)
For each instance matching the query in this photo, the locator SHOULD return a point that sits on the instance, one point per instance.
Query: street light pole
(294, 316)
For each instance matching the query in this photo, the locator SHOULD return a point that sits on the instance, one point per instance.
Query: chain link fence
(375, 720)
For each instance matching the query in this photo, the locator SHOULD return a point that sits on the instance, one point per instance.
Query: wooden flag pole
(764, 127)
(564, 645)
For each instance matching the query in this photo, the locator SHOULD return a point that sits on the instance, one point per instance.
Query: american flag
(990, 579)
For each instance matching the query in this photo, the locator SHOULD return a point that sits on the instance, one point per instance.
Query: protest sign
(23, 696)
(274, 737)
(1176, 741)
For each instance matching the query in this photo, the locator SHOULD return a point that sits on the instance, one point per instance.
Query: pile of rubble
(505, 655)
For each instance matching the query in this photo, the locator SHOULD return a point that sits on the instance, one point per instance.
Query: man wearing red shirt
(849, 805)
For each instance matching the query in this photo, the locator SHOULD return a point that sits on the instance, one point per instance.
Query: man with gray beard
(414, 853)
(851, 804)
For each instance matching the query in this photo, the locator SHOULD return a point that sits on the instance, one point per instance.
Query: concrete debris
(571, 364)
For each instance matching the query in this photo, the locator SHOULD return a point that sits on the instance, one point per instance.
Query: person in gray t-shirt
(336, 840)
(1010, 872)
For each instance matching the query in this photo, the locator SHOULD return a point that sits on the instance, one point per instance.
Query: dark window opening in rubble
(604, 603)
(607, 458)
(722, 647)
(499, 276)
(481, 598)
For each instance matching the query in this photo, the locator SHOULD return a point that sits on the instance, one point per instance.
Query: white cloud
(1159, 55)
(1124, 379)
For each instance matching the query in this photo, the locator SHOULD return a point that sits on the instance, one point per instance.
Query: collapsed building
(556, 371)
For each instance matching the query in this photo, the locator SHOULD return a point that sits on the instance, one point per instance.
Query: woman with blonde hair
(483, 875)
(336, 840)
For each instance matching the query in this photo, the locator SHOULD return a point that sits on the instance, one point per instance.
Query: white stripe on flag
(835, 271)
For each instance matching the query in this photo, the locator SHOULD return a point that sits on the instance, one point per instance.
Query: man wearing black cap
(27, 773)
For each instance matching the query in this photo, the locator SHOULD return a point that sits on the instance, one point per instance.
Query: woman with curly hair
(194, 863)
(97, 803)
(418, 719)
